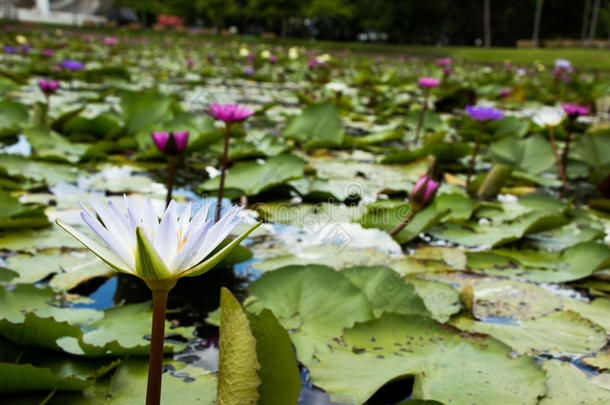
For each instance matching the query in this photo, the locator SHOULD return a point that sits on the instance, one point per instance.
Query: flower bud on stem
(221, 186)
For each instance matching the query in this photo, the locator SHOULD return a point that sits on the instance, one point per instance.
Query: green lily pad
(442, 361)
(532, 155)
(576, 262)
(386, 291)
(13, 116)
(313, 303)
(569, 385)
(128, 387)
(15, 215)
(561, 332)
(596, 310)
(511, 299)
(252, 178)
(20, 168)
(32, 268)
(440, 299)
(318, 126)
(51, 146)
(475, 234)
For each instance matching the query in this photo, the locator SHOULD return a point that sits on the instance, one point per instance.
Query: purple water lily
(483, 113)
(72, 65)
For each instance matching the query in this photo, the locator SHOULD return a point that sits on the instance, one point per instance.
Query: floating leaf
(442, 361)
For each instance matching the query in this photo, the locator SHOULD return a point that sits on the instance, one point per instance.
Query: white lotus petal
(134, 222)
(115, 225)
(166, 238)
(113, 244)
(219, 231)
(194, 242)
(106, 255)
(150, 220)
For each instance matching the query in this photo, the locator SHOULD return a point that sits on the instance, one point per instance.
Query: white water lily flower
(137, 243)
(336, 86)
(549, 116)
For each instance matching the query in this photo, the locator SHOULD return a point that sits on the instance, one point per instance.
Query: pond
(412, 250)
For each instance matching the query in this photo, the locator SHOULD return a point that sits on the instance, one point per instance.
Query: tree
(537, 18)
(585, 20)
(216, 10)
(594, 17)
(487, 22)
(279, 9)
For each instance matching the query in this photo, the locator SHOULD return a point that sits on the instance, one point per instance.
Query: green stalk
(420, 120)
(475, 152)
(560, 168)
(404, 223)
(160, 290)
(47, 119)
(221, 186)
(172, 162)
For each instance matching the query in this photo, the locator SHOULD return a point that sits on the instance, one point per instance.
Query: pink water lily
(48, 87)
(575, 110)
(424, 191)
(428, 82)
(170, 143)
(229, 112)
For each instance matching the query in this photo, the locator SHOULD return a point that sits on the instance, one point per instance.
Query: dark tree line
(455, 22)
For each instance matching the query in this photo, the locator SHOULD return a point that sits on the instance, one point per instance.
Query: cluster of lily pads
(434, 230)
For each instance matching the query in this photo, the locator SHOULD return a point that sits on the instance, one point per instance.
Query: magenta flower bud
(172, 143)
(48, 87)
(190, 63)
(110, 41)
(273, 59)
(48, 52)
(447, 70)
(428, 82)
(575, 110)
(424, 191)
(504, 92)
(445, 62)
(229, 112)
(482, 113)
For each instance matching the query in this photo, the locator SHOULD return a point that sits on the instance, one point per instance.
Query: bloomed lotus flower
(548, 117)
(137, 243)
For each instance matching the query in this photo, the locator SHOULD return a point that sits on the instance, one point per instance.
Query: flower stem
(422, 114)
(475, 152)
(47, 120)
(566, 148)
(157, 335)
(172, 162)
(404, 223)
(221, 186)
(562, 173)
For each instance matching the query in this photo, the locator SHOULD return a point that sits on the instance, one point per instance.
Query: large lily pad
(442, 361)
(318, 126)
(252, 178)
(569, 385)
(559, 333)
(313, 303)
